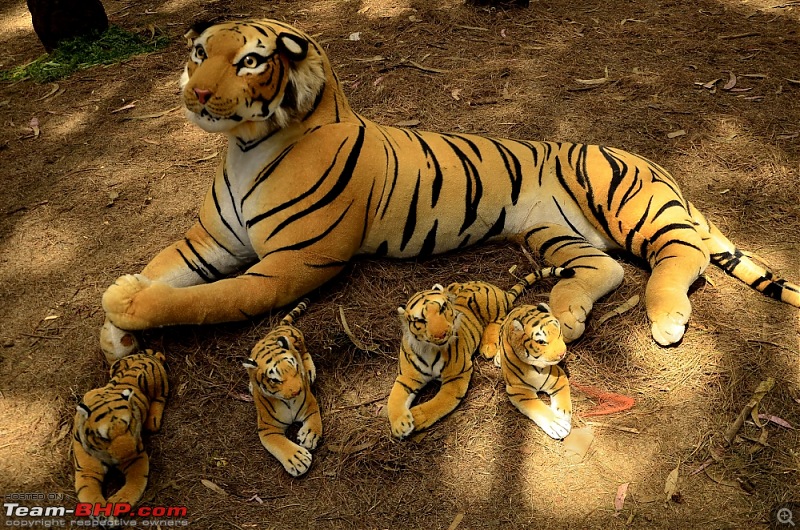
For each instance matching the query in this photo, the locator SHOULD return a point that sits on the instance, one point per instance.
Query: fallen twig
(751, 409)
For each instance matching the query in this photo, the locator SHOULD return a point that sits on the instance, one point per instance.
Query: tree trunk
(56, 20)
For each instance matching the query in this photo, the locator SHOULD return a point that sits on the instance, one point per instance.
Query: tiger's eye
(250, 62)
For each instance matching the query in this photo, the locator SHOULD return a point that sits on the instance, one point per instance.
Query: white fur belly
(536, 206)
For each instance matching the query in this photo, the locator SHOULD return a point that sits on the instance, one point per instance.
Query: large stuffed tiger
(281, 372)
(530, 347)
(307, 183)
(442, 329)
(108, 428)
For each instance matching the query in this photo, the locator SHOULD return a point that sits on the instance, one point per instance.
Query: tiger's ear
(83, 409)
(249, 363)
(283, 342)
(437, 287)
(517, 326)
(401, 310)
(544, 308)
(294, 47)
(127, 393)
(197, 27)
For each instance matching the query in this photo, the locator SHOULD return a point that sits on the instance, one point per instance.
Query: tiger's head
(252, 77)
(108, 424)
(534, 335)
(429, 316)
(276, 369)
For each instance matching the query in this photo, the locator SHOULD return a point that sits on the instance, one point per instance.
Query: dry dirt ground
(112, 177)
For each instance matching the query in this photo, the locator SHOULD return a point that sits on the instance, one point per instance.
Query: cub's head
(260, 74)
(108, 424)
(535, 335)
(276, 369)
(429, 316)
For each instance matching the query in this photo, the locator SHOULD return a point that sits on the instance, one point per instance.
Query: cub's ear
(249, 363)
(437, 287)
(401, 310)
(544, 308)
(517, 326)
(294, 47)
(283, 342)
(127, 393)
(83, 409)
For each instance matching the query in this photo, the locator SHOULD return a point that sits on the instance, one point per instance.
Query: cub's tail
(736, 263)
(288, 320)
(535, 276)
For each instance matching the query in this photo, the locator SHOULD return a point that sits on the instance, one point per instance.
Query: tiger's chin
(210, 123)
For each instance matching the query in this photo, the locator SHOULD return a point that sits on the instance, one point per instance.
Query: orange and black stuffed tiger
(307, 183)
(281, 372)
(442, 329)
(530, 347)
(108, 428)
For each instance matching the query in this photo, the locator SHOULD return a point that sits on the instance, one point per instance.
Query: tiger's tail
(736, 263)
(288, 320)
(535, 276)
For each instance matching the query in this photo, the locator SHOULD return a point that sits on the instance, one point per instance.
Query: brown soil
(96, 194)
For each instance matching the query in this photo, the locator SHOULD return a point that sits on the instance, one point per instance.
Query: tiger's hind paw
(667, 332)
(116, 343)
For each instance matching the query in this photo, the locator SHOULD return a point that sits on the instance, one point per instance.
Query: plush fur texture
(307, 183)
(281, 372)
(108, 428)
(530, 347)
(442, 329)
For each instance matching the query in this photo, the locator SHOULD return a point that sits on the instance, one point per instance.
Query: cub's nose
(202, 94)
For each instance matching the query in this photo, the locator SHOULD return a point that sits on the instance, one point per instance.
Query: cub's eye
(200, 53)
(251, 60)
(541, 341)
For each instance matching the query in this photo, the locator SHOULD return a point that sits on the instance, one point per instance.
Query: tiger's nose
(202, 94)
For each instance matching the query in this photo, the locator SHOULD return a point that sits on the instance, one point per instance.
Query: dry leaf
(776, 420)
(675, 134)
(456, 521)
(52, 91)
(407, 123)
(731, 81)
(131, 105)
(619, 500)
(355, 36)
(794, 81)
(349, 449)
(154, 115)
(374, 59)
(455, 94)
(51, 317)
(577, 443)
(711, 84)
(629, 304)
(209, 157)
(720, 480)
(213, 487)
(34, 126)
(671, 485)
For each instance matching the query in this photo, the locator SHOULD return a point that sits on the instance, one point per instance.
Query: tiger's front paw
(122, 301)
(307, 437)
(116, 343)
(298, 463)
(403, 425)
(558, 427)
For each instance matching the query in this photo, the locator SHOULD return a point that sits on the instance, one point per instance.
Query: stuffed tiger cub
(281, 372)
(306, 184)
(530, 346)
(442, 329)
(108, 428)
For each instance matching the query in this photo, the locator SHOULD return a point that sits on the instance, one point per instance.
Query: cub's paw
(403, 426)
(298, 463)
(308, 438)
(558, 427)
(116, 343)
